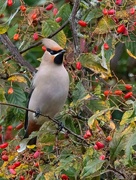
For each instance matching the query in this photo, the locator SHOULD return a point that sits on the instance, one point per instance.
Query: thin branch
(74, 27)
(52, 119)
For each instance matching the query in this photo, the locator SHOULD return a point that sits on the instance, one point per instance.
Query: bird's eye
(51, 51)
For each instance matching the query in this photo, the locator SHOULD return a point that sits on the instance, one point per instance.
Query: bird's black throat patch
(59, 58)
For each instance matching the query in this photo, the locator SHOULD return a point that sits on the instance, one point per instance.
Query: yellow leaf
(127, 117)
(105, 24)
(123, 14)
(130, 54)
(3, 28)
(49, 175)
(17, 78)
(93, 62)
(112, 125)
(98, 115)
(87, 97)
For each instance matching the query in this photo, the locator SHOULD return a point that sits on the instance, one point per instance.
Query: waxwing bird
(49, 89)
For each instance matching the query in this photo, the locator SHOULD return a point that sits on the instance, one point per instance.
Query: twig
(40, 42)
(14, 51)
(54, 120)
(74, 27)
(115, 170)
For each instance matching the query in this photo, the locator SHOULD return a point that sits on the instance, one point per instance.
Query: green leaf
(131, 50)
(40, 176)
(35, 3)
(117, 145)
(130, 142)
(79, 92)
(97, 105)
(105, 25)
(93, 14)
(64, 12)
(18, 98)
(91, 167)
(48, 27)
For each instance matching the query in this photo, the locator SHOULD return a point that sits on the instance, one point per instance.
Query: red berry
(102, 157)
(87, 134)
(105, 11)
(78, 65)
(49, 7)
(16, 37)
(121, 29)
(4, 145)
(95, 147)
(118, 2)
(35, 36)
(43, 48)
(100, 145)
(55, 11)
(20, 126)
(82, 23)
(125, 33)
(10, 127)
(23, 8)
(109, 138)
(128, 87)
(12, 171)
(17, 164)
(9, 2)
(17, 147)
(34, 16)
(107, 93)
(36, 164)
(58, 19)
(106, 46)
(118, 92)
(64, 177)
(4, 157)
(128, 95)
(36, 154)
(22, 178)
(132, 11)
(4, 152)
(111, 12)
(10, 90)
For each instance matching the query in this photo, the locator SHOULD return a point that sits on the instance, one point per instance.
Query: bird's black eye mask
(53, 52)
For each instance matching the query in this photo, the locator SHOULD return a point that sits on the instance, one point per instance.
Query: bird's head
(54, 52)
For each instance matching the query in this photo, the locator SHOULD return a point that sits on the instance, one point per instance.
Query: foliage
(99, 108)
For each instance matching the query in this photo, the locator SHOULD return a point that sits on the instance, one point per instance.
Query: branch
(14, 51)
(74, 27)
(52, 119)
(116, 171)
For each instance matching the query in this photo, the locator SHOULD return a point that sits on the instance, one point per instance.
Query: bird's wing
(26, 115)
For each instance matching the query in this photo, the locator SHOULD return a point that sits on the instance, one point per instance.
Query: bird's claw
(37, 113)
(60, 126)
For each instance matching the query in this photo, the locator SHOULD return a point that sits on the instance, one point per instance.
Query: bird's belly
(49, 104)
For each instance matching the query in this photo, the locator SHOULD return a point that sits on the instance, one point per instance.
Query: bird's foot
(60, 126)
(37, 113)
